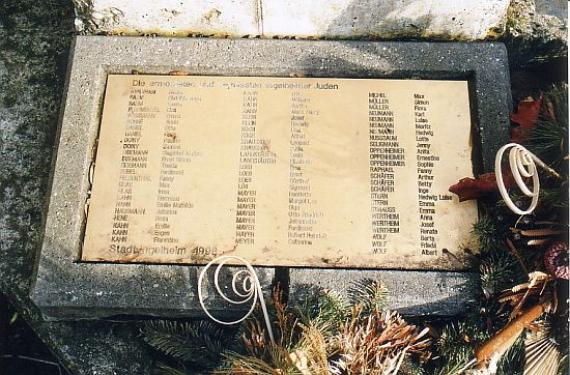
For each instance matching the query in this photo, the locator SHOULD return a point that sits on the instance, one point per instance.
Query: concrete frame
(66, 288)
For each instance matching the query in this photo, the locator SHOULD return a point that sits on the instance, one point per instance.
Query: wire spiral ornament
(522, 164)
(249, 290)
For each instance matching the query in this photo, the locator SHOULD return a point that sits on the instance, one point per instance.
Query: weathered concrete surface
(34, 43)
(66, 288)
(450, 20)
(439, 19)
(409, 292)
(169, 17)
(536, 31)
(533, 30)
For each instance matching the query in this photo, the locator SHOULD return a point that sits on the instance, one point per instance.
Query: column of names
(426, 161)
(133, 164)
(249, 149)
(386, 154)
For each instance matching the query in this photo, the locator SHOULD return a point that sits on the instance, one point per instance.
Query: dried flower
(556, 260)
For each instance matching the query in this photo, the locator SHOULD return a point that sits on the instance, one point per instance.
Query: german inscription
(281, 171)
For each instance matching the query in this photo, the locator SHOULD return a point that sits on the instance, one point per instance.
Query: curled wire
(248, 290)
(522, 164)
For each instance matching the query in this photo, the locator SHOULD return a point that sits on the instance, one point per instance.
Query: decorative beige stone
(168, 17)
(451, 20)
(458, 19)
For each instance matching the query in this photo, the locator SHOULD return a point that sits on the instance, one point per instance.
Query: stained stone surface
(34, 46)
(450, 20)
(67, 288)
(410, 292)
(536, 31)
(533, 30)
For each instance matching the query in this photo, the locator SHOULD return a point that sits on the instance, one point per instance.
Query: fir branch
(512, 362)
(555, 197)
(488, 234)
(455, 344)
(498, 272)
(371, 294)
(324, 309)
(164, 369)
(200, 343)
(549, 139)
(453, 368)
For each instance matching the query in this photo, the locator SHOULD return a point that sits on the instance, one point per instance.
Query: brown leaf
(474, 188)
(526, 117)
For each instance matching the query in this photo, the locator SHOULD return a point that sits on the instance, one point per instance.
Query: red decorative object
(526, 117)
(556, 260)
(474, 188)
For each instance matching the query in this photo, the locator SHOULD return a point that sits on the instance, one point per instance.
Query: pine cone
(556, 260)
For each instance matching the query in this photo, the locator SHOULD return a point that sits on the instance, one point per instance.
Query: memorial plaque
(321, 172)
(195, 147)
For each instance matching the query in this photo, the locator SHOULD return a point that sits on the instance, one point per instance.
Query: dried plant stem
(503, 340)
(516, 254)
(537, 232)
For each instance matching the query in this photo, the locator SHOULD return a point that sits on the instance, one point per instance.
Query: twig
(26, 358)
(516, 254)
(537, 232)
(503, 340)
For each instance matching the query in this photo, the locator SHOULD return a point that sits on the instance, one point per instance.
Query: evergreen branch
(371, 294)
(487, 233)
(512, 362)
(497, 272)
(164, 369)
(200, 343)
(549, 139)
(453, 368)
(454, 344)
(325, 310)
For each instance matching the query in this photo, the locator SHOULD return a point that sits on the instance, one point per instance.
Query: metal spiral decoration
(523, 164)
(248, 291)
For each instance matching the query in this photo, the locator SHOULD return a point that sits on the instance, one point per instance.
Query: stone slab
(409, 292)
(65, 287)
(455, 20)
(169, 17)
(451, 20)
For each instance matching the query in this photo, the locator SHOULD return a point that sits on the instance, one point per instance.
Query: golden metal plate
(319, 172)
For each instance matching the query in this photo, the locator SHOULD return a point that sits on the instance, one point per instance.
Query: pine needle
(371, 294)
(549, 139)
(200, 342)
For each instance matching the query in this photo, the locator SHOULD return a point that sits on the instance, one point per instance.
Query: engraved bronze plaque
(319, 172)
